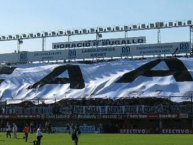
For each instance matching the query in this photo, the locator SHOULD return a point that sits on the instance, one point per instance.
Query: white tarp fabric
(114, 79)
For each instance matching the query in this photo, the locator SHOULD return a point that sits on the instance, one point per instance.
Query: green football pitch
(102, 139)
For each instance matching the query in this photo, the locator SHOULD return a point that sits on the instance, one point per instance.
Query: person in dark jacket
(75, 134)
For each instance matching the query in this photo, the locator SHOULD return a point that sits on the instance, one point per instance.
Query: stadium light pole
(158, 36)
(126, 34)
(43, 42)
(68, 38)
(19, 42)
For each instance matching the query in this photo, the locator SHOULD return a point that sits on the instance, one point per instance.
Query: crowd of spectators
(90, 106)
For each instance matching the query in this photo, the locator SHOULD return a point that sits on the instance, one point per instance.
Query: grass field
(102, 139)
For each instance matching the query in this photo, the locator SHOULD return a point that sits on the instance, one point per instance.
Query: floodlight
(3, 37)
(68, 32)
(31, 35)
(38, 34)
(53, 33)
(109, 28)
(170, 24)
(134, 26)
(143, 26)
(189, 22)
(126, 28)
(161, 24)
(60, 33)
(76, 31)
(84, 30)
(100, 29)
(45, 34)
(179, 23)
(92, 30)
(157, 24)
(24, 35)
(17, 36)
(117, 28)
(10, 37)
(151, 25)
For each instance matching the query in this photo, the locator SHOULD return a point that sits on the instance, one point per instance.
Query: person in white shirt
(14, 129)
(39, 135)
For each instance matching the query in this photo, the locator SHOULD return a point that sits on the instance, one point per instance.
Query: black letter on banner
(75, 77)
(176, 68)
(7, 71)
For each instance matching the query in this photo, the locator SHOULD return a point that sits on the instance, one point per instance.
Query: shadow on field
(2, 140)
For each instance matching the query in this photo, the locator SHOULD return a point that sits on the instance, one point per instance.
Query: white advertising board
(87, 129)
(101, 42)
(98, 52)
(59, 129)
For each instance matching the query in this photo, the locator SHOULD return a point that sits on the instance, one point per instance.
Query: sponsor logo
(176, 131)
(71, 54)
(23, 57)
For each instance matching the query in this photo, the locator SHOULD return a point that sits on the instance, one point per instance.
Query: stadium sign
(57, 116)
(98, 52)
(133, 131)
(19, 116)
(87, 129)
(152, 116)
(59, 129)
(176, 131)
(163, 131)
(96, 43)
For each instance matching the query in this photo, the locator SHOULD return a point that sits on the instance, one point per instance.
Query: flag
(20, 41)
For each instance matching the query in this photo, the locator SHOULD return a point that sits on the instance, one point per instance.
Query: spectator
(26, 131)
(68, 128)
(31, 127)
(14, 130)
(8, 129)
(39, 135)
(49, 127)
(75, 134)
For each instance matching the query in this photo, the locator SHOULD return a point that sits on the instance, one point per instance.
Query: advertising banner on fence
(83, 129)
(163, 131)
(19, 116)
(176, 131)
(133, 131)
(59, 129)
(101, 42)
(87, 129)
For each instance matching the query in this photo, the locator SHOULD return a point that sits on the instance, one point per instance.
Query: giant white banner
(97, 43)
(115, 79)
